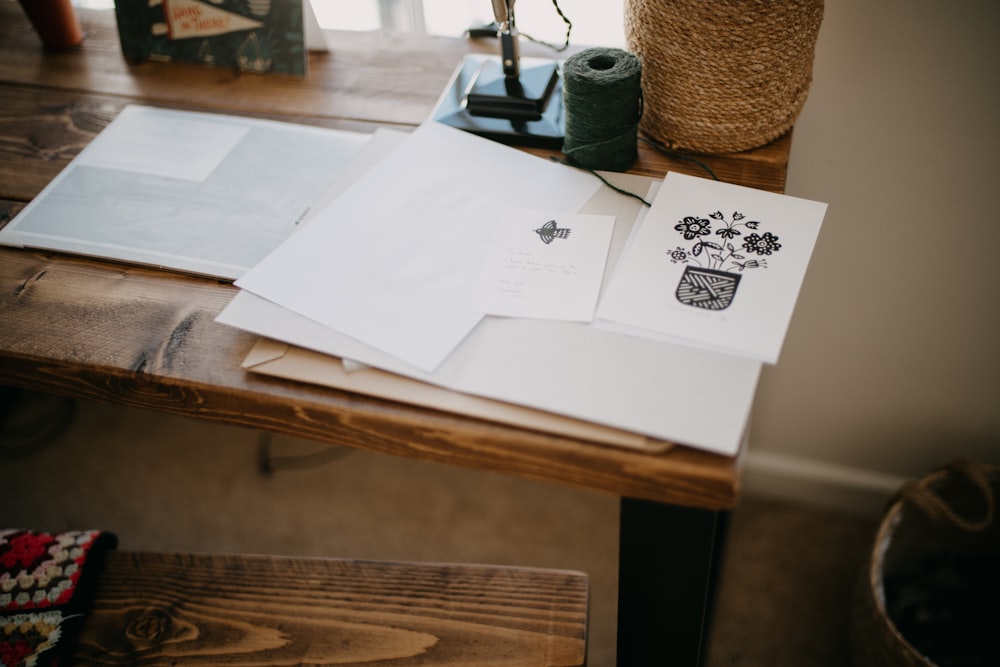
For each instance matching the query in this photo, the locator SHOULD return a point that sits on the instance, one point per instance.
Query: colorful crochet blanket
(47, 584)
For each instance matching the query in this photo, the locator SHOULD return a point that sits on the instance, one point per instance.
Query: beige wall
(892, 360)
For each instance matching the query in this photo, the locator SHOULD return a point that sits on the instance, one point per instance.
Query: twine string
(659, 146)
(603, 104)
(602, 179)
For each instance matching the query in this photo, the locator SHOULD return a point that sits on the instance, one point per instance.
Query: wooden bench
(187, 609)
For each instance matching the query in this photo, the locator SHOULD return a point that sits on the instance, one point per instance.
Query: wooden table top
(145, 338)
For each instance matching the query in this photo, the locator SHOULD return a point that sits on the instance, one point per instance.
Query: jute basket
(722, 76)
(927, 596)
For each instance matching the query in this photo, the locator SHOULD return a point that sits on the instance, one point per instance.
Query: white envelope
(271, 357)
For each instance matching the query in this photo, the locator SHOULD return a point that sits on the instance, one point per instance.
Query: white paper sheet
(204, 193)
(161, 143)
(716, 265)
(393, 261)
(545, 265)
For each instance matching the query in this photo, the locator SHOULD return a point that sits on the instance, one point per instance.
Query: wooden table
(144, 338)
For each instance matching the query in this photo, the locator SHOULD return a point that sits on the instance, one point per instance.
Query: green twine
(603, 103)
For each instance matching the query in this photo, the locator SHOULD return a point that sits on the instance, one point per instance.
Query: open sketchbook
(209, 194)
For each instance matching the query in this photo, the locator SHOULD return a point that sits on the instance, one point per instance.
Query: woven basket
(934, 562)
(722, 76)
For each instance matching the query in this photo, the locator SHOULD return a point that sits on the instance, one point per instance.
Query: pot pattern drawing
(710, 289)
(722, 249)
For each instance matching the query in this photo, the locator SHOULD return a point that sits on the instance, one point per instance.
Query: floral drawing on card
(715, 265)
(721, 252)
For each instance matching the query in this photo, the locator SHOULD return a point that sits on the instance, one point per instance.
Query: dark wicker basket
(722, 76)
(927, 597)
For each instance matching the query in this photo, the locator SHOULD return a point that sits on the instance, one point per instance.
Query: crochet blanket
(47, 584)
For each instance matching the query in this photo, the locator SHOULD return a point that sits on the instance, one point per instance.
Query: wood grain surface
(197, 609)
(147, 338)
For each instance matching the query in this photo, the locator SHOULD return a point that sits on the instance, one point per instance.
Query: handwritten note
(545, 265)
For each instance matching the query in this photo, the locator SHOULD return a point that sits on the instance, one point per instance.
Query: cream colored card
(545, 265)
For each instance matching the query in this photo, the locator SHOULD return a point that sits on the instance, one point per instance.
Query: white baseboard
(818, 483)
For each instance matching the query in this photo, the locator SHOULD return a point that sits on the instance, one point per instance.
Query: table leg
(667, 563)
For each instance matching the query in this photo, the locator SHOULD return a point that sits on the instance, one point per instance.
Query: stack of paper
(471, 266)
(392, 262)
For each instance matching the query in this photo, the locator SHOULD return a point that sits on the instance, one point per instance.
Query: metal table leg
(667, 563)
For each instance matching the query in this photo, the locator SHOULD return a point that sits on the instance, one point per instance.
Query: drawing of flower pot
(706, 288)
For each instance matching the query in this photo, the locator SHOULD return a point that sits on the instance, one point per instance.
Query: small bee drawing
(548, 232)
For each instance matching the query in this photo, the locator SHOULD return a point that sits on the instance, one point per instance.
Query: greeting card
(249, 35)
(715, 265)
(545, 265)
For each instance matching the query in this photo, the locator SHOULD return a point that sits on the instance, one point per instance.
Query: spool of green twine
(603, 103)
